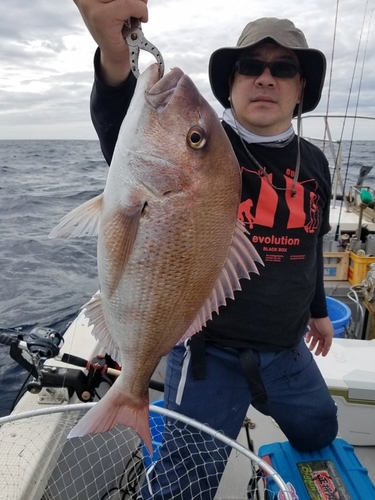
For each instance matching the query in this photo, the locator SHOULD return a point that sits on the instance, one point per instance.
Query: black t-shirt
(273, 308)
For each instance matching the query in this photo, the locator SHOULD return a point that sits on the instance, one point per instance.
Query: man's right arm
(114, 85)
(108, 106)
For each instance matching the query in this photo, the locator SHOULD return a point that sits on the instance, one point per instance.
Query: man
(254, 351)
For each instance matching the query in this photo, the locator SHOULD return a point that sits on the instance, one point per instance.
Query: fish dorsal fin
(240, 262)
(94, 312)
(82, 221)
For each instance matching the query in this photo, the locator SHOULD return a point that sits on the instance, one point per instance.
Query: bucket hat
(282, 32)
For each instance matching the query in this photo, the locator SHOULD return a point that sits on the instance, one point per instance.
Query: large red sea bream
(170, 248)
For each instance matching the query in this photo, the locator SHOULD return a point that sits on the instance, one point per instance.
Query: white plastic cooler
(349, 371)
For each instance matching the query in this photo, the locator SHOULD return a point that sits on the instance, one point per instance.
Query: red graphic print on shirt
(301, 213)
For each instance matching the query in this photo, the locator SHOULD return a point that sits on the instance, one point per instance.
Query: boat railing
(334, 146)
(328, 143)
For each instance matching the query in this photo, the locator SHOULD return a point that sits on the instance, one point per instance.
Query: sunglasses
(255, 67)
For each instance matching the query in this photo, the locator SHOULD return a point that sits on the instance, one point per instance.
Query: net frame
(42, 493)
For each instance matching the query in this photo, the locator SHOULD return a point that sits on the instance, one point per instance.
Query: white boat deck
(349, 220)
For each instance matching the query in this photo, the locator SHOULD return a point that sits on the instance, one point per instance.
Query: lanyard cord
(280, 145)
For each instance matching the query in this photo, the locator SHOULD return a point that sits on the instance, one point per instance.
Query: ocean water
(44, 282)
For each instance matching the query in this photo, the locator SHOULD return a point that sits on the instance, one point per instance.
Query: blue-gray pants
(298, 400)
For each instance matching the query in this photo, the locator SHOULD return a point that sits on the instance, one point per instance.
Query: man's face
(264, 104)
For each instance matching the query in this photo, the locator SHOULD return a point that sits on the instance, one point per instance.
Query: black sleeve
(108, 106)
(318, 306)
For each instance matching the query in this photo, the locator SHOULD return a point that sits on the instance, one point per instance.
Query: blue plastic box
(331, 473)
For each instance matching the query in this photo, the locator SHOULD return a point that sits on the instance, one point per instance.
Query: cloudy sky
(46, 57)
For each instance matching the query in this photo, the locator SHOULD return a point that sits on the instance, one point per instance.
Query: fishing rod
(331, 73)
(99, 365)
(337, 234)
(32, 350)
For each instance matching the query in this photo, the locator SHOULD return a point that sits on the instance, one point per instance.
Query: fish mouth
(159, 95)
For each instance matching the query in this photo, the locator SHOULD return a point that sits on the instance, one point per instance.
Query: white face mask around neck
(250, 138)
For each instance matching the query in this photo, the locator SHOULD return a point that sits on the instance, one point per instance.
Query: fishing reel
(38, 345)
(44, 342)
(33, 349)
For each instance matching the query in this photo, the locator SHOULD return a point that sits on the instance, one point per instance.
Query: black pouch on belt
(248, 364)
(253, 377)
(198, 363)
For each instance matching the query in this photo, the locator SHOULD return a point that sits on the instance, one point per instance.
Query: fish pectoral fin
(93, 310)
(120, 231)
(82, 221)
(239, 263)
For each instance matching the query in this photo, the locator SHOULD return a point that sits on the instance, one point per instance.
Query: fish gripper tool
(133, 34)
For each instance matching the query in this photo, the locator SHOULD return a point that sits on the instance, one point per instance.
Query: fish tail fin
(116, 408)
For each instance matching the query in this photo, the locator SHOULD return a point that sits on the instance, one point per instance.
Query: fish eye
(196, 137)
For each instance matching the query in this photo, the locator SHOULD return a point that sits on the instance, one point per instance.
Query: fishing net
(37, 462)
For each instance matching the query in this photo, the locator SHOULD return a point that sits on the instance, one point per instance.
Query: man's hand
(320, 335)
(105, 20)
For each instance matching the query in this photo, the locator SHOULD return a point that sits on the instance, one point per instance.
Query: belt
(248, 365)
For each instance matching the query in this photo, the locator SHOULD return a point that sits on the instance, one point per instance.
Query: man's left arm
(320, 335)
